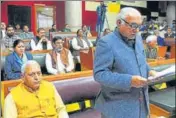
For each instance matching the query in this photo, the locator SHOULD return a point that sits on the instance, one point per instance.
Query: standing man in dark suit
(120, 67)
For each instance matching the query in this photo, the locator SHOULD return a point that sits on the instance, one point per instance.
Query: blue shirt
(160, 41)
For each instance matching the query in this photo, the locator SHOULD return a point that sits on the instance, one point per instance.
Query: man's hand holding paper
(152, 73)
(160, 75)
(138, 81)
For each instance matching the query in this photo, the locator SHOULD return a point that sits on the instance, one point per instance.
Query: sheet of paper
(161, 75)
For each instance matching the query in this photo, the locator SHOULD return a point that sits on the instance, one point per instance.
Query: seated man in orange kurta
(34, 97)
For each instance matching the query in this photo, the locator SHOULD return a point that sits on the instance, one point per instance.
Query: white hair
(151, 38)
(124, 12)
(30, 62)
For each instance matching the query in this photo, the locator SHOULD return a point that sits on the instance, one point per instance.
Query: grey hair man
(121, 69)
(151, 49)
(34, 97)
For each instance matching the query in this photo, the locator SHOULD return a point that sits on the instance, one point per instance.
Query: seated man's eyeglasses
(132, 25)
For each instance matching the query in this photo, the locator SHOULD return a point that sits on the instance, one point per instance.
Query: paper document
(160, 75)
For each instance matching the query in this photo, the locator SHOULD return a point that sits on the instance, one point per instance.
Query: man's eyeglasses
(132, 25)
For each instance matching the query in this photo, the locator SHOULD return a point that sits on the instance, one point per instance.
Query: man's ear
(119, 22)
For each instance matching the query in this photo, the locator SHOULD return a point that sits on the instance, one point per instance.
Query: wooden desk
(94, 33)
(92, 38)
(87, 58)
(150, 60)
(62, 34)
(7, 52)
(169, 41)
(156, 112)
(26, 40)
(162, 51)
(172, 52)
(161, 62)
(39, 51)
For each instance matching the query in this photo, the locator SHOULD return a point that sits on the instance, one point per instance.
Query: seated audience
(169, 33)
(34, 97)
(26, 34)
(151, 53)
(60, 59)
(163, 26)
(151, 47)
(174, 27)
(80, 43)
(66, 29)
(143, 27)
(160, 40)
(86, 32)
(163, 29)
(106, 31)
(53, 29)
(145, 34)
(153, 26)
(3, 30)
(40, 42)
(162, 33)
(10, 37)
(15, 60)
(18, 28)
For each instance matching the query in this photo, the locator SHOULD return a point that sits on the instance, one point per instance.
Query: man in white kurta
(60, 59)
